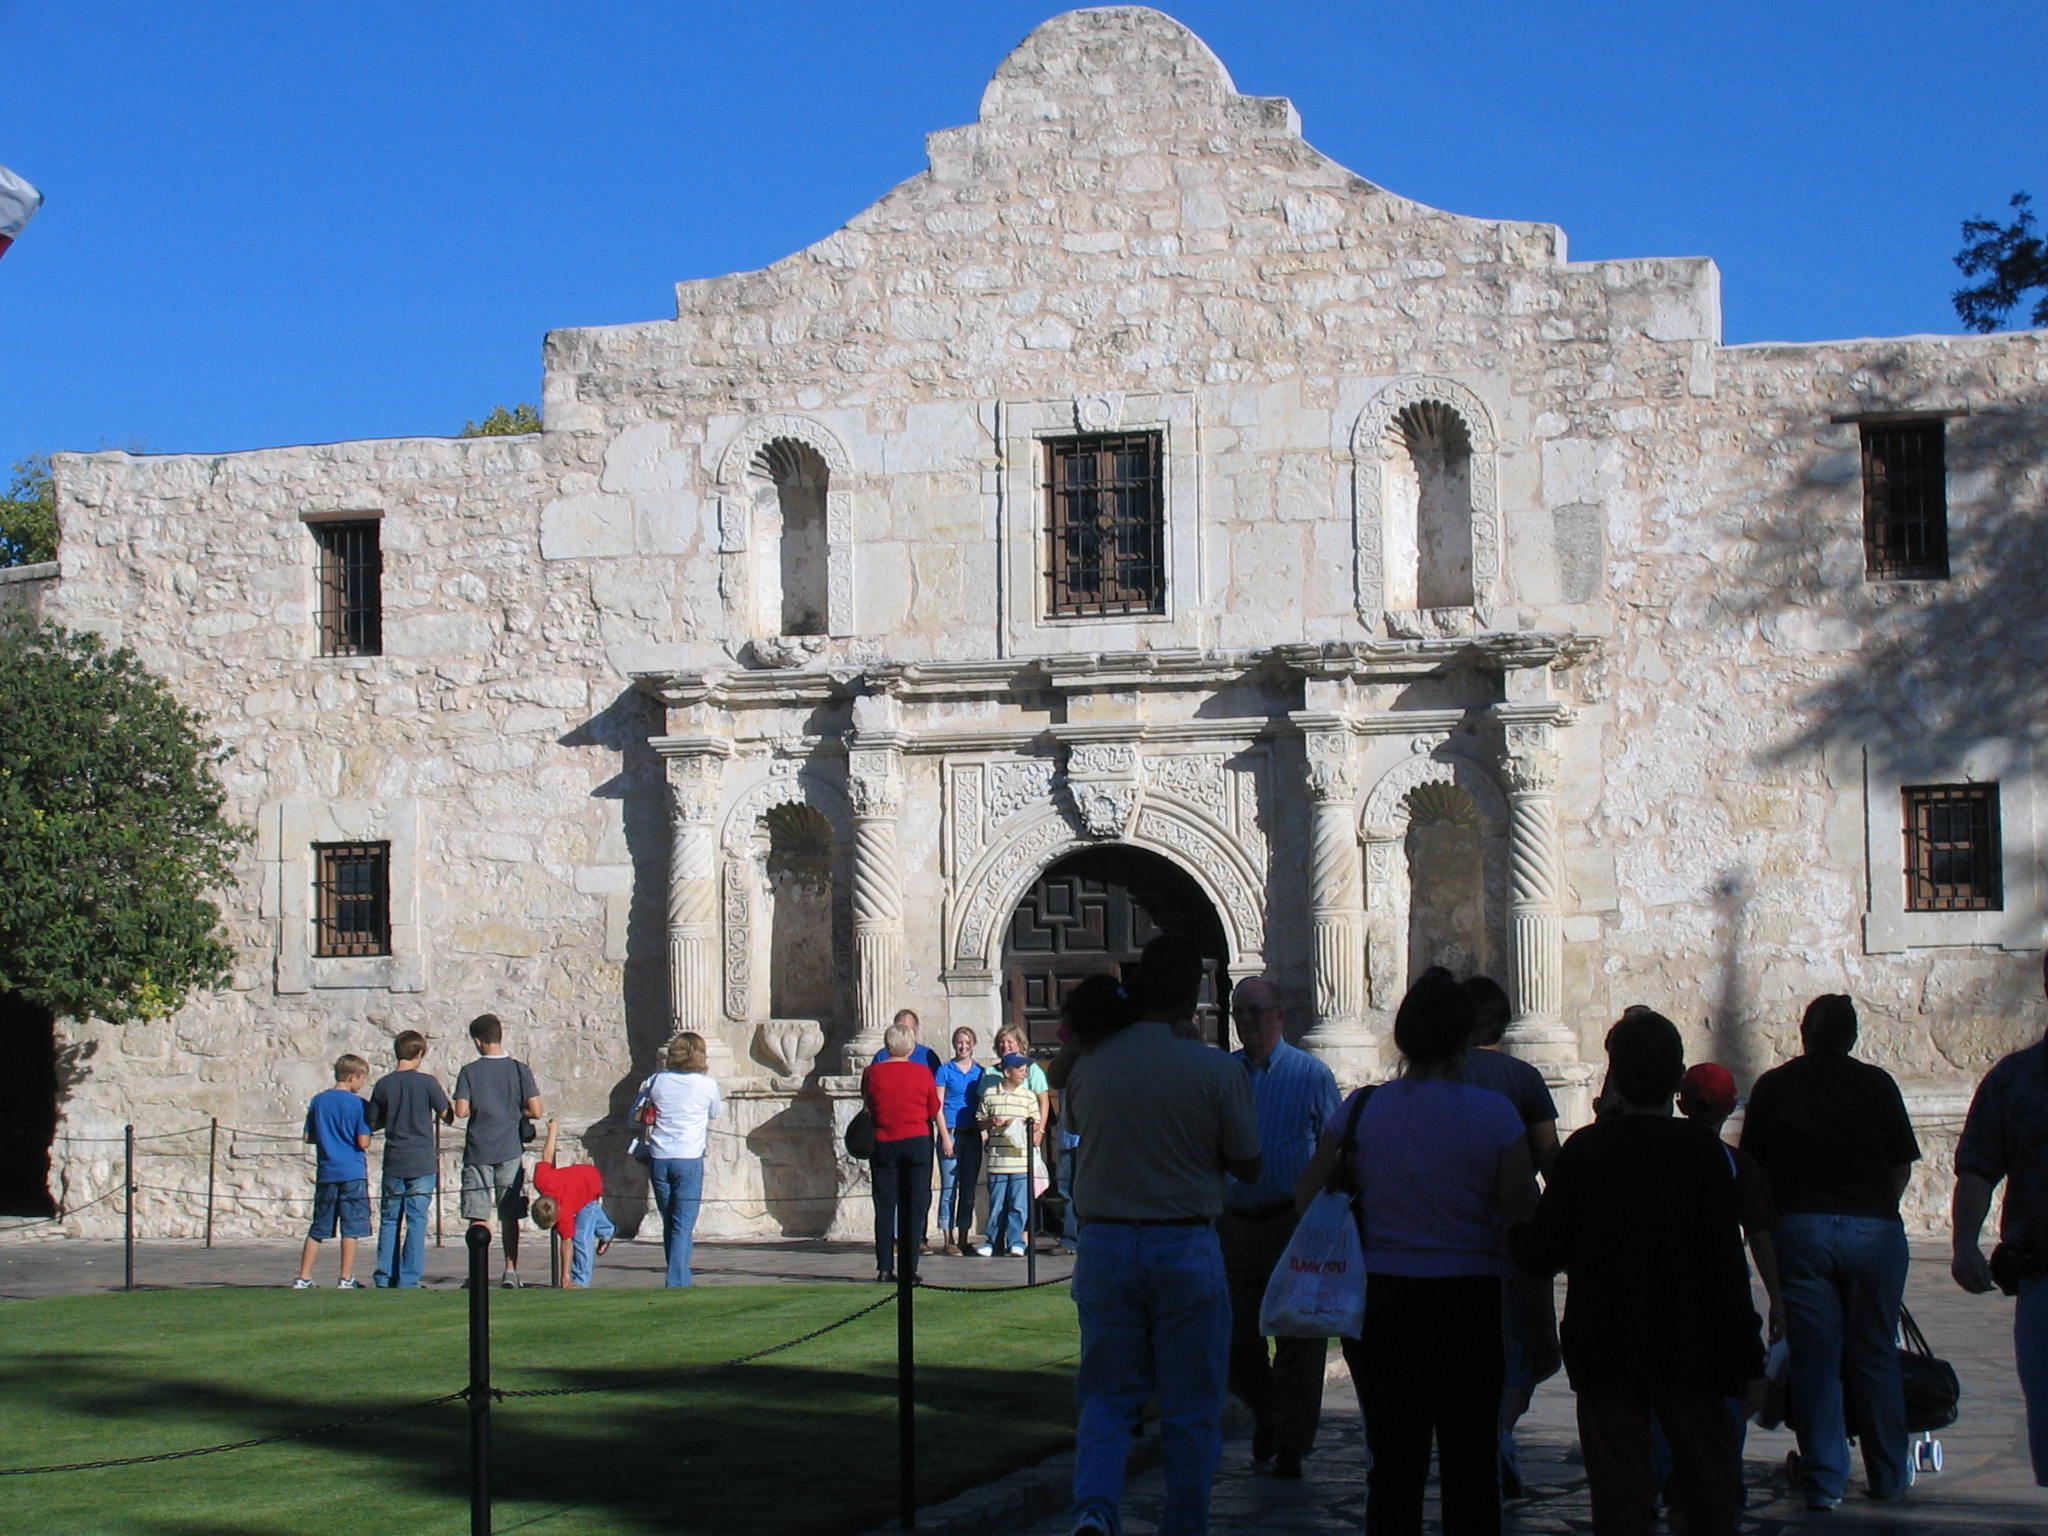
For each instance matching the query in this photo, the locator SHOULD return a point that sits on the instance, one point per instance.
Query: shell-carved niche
(1435, 830)
(786, 910)
(785, 522)
(1426, 510)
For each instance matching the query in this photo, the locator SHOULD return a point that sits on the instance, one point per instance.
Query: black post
(906, 1353)
(438, 1181)
(1030, 1202)
(212, 1155)
(555, 1257)
(480, 1380)
(128, 1208)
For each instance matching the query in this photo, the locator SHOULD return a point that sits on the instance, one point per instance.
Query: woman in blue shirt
(960, 1095)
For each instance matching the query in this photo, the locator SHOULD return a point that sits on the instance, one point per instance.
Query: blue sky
(283, 222)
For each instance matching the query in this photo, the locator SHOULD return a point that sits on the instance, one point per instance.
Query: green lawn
(800, 1444)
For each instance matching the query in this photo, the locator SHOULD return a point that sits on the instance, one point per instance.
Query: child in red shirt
(572, 1202)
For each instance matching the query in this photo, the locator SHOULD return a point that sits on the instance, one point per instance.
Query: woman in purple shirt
(1441, 1168)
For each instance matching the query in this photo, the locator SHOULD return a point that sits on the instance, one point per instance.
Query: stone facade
(1506, 618)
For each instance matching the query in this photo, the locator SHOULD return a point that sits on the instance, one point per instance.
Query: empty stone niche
(1446, 852)
(795, 948)
(791, 551)
(1428, 509)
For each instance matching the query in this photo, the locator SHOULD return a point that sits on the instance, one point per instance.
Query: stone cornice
(1360, 661)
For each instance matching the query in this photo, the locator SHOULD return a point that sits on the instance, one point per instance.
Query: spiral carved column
(876, 790)
(1336, 916)
(1535, 890)
(693, 969)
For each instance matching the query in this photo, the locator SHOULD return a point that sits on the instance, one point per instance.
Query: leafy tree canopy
(111, 832)
(2012, 260)
(28, 514)
(503, 423)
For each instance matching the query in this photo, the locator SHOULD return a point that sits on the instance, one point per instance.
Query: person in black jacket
(1832, 1136)
(1658, 1324)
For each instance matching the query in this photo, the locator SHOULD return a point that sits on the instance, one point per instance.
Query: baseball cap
(1709, 1087)
(1016, 1059)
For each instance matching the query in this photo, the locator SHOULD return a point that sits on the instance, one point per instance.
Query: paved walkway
(1984, 1489)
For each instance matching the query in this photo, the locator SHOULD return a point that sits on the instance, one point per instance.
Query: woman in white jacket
(678, 1106)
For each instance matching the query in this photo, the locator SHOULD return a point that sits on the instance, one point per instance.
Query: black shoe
(1287, 1464)
(1262, 1446)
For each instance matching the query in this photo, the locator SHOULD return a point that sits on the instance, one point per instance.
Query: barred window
(352, 899)
(1905, 501)
(351, 581)
(1952, 862)
(1105, 529)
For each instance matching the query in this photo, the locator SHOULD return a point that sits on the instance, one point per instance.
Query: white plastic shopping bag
(1318, 1287)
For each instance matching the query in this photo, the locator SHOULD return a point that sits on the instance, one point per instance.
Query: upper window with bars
(1105, 530)
(352, 899)
(1952, 848)
(1905, 501)
(350, 577)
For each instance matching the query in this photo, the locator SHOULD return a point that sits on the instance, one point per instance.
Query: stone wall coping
(42, 570)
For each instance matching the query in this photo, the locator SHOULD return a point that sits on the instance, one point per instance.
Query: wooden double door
(1094, 911)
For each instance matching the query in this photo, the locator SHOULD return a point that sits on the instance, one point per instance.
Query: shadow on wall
(1916, 675)
(625, 727)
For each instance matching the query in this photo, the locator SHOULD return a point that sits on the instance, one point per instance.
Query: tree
(503, 423)
(28, 514)
(2011, 258)
(111, 832)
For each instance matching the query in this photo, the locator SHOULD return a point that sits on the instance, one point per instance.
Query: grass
(800, 1444)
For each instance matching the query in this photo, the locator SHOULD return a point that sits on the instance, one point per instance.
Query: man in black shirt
(1658, 1327)
(1832, 1136)
(405, 1105)
(2006, 1140)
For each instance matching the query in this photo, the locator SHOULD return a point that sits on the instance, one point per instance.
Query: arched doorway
(28, 1106)
(1094, 911)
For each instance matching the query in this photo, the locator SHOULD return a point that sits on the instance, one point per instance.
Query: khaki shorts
(494, 1189)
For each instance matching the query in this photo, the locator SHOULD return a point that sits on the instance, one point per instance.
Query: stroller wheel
(1927, 1454)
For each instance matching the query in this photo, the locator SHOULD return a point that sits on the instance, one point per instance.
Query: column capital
(693, 784)
(1332, 771)
(1529, 762)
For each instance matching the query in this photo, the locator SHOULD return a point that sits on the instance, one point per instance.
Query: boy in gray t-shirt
(405, 1105)
(493, 1094)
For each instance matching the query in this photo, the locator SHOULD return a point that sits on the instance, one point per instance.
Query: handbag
(1933, 1394)
(860, 1136)
(1318, 1287)
(642, 1116)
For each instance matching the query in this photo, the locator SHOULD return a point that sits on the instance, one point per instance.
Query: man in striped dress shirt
(1296, 1097)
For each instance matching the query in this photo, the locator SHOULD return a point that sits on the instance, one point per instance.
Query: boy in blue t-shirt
(338, 1126)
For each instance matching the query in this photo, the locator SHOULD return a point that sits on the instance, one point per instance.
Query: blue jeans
(1006, 1195)
(678, 1191)
(958, 1176)
(1155, 1316)
(593, 1226)
(403, 1208)
(1844, 1277)
(2030, 1350)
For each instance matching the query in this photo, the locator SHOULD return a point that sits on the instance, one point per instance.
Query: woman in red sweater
(903, 1097)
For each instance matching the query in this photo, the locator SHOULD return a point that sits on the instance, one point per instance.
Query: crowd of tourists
(1191, 1168)
(499, 1105)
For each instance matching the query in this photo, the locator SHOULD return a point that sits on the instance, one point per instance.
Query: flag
(18, 204)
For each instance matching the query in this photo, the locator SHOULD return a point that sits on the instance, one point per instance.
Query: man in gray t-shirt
(493, 1093)
(1161, 1119)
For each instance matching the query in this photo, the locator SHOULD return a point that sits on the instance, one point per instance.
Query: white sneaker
(985, 1251)
(1017, 1252)
(303, 1284)
(348, 1283)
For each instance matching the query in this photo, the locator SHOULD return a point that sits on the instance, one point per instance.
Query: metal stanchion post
(555, 1257)
(128, 1208)
(906, 1353)
(212, 1155)
(480, 1381)
(437, 1183)
(1030, 1202)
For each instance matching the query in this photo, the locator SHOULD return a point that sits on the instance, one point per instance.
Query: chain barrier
(699, 1370)
(238, 1445)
